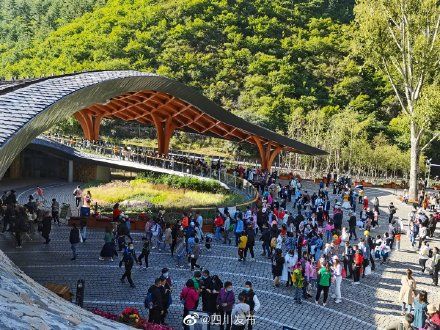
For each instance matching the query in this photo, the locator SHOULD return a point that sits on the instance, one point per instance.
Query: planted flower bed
(131, 317)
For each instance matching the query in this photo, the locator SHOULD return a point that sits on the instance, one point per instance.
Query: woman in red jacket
(358, 262)
(189, 297)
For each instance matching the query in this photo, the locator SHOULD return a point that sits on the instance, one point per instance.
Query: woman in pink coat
(189, 297)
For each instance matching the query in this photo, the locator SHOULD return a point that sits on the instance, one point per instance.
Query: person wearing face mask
(206, 286)
(168, 288)
(253, 302)
(225, 301)
(128, 259)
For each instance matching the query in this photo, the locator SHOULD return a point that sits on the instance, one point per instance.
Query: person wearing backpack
(189, 298)
(298, 283)
(154, 302)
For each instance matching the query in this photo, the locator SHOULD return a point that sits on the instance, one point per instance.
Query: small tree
(400, 37)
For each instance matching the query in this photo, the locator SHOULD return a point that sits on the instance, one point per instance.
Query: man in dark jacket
(337, 220)
(206, 287)
(128, 259)
(265, 238)
(46, 227)
(250, 242)
(74, 240)
(352, 225)
(156, 309)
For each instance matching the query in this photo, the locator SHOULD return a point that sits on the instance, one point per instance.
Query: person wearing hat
(433, 321)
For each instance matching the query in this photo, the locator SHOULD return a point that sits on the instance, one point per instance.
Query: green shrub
(180, 182)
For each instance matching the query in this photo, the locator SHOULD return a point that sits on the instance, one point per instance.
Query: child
(241, 246)
(397, 238)
(145, 253)
(208, 242)
(298, 283)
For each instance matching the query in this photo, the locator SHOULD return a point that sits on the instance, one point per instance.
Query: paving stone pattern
(371, 305)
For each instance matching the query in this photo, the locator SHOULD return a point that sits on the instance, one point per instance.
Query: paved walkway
(371, 305)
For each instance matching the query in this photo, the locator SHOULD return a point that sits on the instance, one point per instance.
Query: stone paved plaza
(371, 305)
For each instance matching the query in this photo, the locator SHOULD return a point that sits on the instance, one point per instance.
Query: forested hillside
(289, 65)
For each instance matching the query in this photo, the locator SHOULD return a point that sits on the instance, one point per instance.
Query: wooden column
(165, 129)
(267, 153)
(90, 124)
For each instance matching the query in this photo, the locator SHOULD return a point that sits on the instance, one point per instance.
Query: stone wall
(25, 304)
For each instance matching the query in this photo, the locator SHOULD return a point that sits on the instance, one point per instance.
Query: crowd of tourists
(323, 239)
(313, 239)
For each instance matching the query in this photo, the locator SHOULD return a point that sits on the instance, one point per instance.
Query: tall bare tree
(400, 37)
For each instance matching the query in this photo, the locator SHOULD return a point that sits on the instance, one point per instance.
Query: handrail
(234, 182)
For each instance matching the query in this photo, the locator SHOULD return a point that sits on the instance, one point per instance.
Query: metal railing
(176, 163)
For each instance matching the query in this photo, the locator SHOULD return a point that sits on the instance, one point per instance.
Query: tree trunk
(414, 163)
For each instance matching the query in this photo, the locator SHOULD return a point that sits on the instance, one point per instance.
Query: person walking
(423, 255)
(242, 242)
(250, 233)
(46, 226)
(77, 193)
(225, 301)
(352, 226)
(55, 208)
(406, 295)
(108, 251)
(20, 225)
(74, 239)
(324, 277)
(240, 313)
(253, 302)
(195, 254)
(128, 260)
(189, 298)
(392, 210)
(145, 253)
